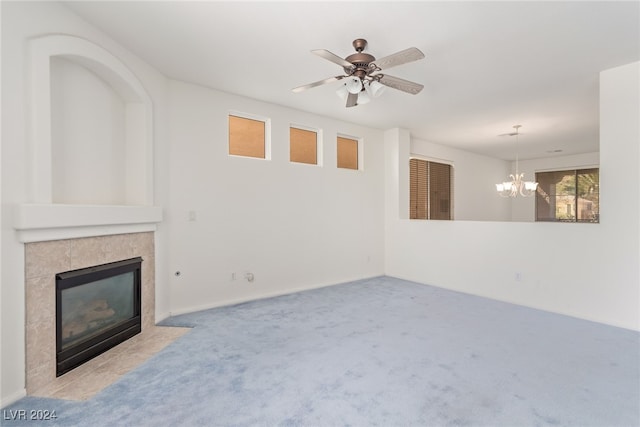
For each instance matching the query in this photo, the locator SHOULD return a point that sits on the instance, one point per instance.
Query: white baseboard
(162, 316)
(12, 398)
(608, 322)
(265, 295)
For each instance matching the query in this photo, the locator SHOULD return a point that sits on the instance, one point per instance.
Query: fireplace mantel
(44, 222)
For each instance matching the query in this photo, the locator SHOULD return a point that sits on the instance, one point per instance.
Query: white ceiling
(488, 66)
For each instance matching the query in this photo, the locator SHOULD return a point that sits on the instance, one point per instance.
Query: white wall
(523, 209)
(294, 226)
(619, 183)
(474, 181)
(583, 270)
(22, 21)
(11, 394)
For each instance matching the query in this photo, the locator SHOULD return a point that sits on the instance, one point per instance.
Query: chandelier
(517, 186)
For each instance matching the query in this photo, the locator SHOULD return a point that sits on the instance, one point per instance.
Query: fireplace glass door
(97, 308)
(90, 309)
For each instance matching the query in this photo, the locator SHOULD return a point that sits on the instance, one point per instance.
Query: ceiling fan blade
(401, 84)
(324, 53)
(352, 100)
(399, 58)
(318, 83)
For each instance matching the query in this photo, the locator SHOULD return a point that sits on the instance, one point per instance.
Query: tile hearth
(89, 379)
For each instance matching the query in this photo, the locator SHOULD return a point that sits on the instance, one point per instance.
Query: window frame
(267, 134)
(576, 172)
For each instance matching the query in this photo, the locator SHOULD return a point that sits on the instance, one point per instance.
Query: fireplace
(97, 308)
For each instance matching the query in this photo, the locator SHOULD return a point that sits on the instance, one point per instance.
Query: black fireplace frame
(83, 351)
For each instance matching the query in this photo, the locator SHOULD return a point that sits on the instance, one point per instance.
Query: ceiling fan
(363, 80)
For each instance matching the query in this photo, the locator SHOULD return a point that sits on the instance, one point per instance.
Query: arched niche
(91, 126)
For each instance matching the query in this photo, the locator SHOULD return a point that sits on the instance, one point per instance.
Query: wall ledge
(44, 222)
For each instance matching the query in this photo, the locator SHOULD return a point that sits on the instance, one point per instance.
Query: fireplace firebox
(97, 308)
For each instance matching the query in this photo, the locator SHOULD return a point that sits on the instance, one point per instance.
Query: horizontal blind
(418, 189)
(439, 191)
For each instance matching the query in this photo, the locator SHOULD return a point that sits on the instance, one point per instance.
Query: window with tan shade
(347, 153)
(303, 146)
(246, 137)
(430, 190)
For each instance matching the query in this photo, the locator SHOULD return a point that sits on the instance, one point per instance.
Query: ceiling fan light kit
(360, 70)
(342, 92)
(364, 96)
(376, 88)
(354, 85)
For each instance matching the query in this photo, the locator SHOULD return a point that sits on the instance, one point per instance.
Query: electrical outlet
(518, 277)
(233, 276)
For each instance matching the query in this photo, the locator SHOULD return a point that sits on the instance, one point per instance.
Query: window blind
(303, 146)
(430, 190)
(347, 153)
(246, 137)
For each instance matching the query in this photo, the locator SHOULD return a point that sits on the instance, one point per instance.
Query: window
(303, 146)
(247, 137)
(568, 196)
(347, 153)
(430, 190)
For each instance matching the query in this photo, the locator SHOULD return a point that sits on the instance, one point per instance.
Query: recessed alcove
(90, 145)
(91, 140)
(88, 138)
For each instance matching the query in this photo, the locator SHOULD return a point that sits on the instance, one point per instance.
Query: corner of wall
(397, 143)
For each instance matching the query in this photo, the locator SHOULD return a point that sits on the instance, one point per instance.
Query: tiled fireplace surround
(67, 226)
(43, 260)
